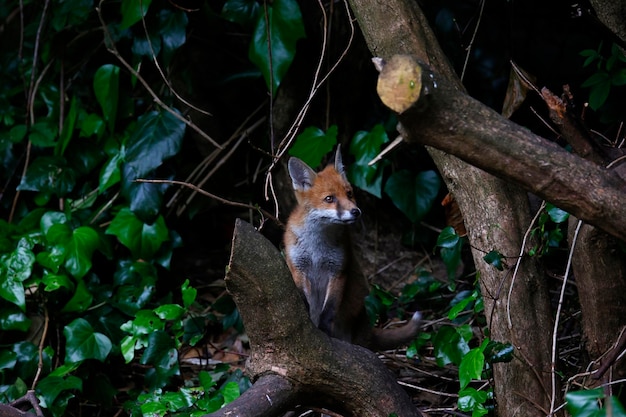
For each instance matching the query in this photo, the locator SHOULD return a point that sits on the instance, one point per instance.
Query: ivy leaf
(53, 282)
(313, 144)
(15, 268)
(8, 359)
(285, 28)
(365, 146)
(50, 175)
(472, 400)
(189, 294)
(79, 251)
(90, 125)
(450, 345)
(230, 391)
(413, 194)
(12, 318)
(49, 219)
(244, 12)
(145, 322)
(106, 82)
(82, 342)
(133, 11)
(556, 214)
(145, 199)
(169, 311)
(584, 403)
(43, 134)
(51, 387)
(173, 30)
(142, 239)
(461, 304)
(619, 78)
(598, 94)
(157, 137)
(448, 238)
(70, 13)
(146, 46)
(158, 349)
(110, 172)
(52, 259)
(494, 258)
(499, 352)
(80, 301)
(136, 281)
(68, 127)
(472, 365)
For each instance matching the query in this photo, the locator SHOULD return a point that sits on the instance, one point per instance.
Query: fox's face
(326, 196)
(331, 198)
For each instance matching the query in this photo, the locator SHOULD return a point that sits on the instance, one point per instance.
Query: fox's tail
(385, 339)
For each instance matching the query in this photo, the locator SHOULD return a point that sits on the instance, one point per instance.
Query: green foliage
(593, 403)
(276, 29)
(365, 146)
(610, 72)
(450, 245)
(195, 401)
(452, 344)
(83, 247)
(312, 144)
(494, 258)
(413, 194)
(550, 230)
(470, 399)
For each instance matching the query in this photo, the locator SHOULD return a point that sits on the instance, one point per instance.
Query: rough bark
(496, 214)
(598, 264)
(612, 14)
(288, 352)
(600, 271)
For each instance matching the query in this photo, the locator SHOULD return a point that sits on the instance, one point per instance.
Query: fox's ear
(302, 176)
(338, 162)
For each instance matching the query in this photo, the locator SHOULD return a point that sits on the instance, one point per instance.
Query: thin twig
(469, 47)
(199, 169)
(110, 45)
(285, 144)
(158, 67)
(42, 343)
(519, 261)
(36, 51)
(556, 319)
(270, 61)
(397, 141)
(258, 209)
(418, 388)
(243, 135)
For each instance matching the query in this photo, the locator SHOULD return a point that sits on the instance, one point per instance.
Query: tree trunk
(496, 215)
(599, 268)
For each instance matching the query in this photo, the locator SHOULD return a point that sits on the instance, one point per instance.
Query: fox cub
(319, 253)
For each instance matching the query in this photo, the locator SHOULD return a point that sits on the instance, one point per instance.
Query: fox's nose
(356, 212)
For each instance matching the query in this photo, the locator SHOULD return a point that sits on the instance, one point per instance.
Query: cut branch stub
(402, 81)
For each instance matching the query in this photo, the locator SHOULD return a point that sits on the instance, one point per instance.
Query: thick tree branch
(288, 353)
(457, 124)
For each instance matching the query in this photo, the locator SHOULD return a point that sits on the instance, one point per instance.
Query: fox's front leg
(332, 302)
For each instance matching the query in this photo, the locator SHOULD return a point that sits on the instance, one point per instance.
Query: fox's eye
(329, 199)
(350, 195)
